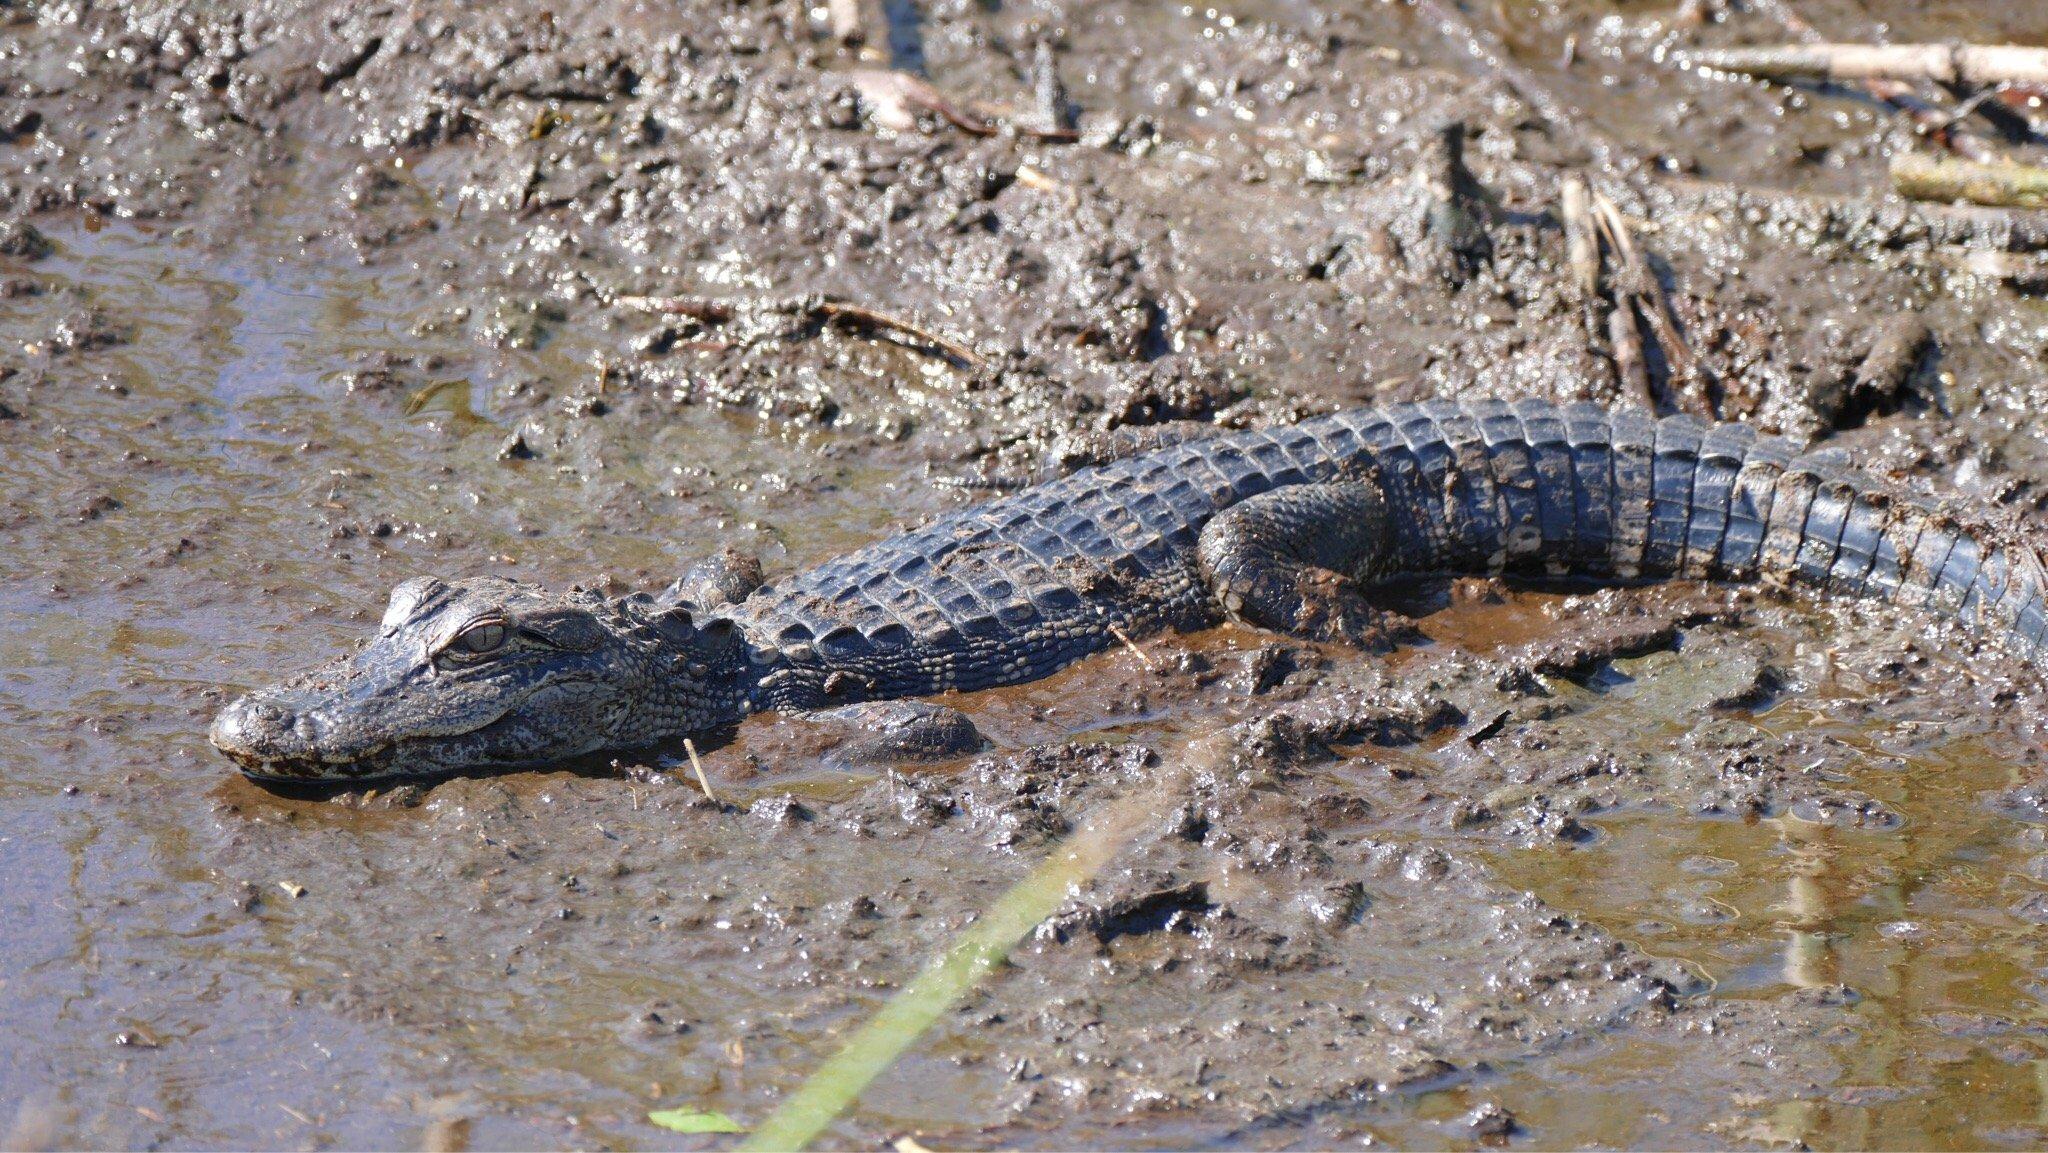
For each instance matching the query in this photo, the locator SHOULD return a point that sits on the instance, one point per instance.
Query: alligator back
(1014, 589)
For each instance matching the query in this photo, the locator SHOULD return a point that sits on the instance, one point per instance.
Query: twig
(886, 322)
(894, 99)
(1581, 246)
(1943, 63)
(1582, 255)
(703, 782)
(1031, 177)
(720, 312)
(1627, 341)
(1132, 645)
(1933, 121)
(1639, 281)
(2002, 184)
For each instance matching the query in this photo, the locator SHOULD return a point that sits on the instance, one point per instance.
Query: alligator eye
(478, 639)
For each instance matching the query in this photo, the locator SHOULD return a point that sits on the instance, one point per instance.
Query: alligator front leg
(1295, 559)
(880, 733)
(724, 578)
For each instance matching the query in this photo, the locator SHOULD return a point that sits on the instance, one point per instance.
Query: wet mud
(297, 302)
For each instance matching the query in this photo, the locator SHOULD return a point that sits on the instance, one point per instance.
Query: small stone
(1490, 1120)
(782, 810)
(22, 239)
(516, 448)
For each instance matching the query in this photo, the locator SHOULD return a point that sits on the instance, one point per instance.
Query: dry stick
(1624, 335)
(1627, 342)
(1581, 246)
(719, 312)
(1639, 280)
(2002, 184)
(703, 782)
(882, 320)
(848, 20)
(1132, 645)
(1938, 125)
(1973, 64)
(1582, 255)
(892, 96)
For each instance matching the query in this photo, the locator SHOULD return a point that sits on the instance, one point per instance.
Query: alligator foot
(724, 578)
(896, 732)
(1293, 560)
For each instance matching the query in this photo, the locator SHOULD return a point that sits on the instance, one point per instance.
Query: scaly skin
(1273, 525)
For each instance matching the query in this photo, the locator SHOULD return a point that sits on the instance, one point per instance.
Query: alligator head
(490, 672)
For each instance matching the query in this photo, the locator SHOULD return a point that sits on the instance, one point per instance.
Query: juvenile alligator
(1286, 528)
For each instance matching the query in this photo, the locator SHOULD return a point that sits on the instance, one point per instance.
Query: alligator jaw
(250, 734)
(376, 764)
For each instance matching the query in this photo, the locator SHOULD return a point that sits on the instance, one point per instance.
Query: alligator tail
(1582, 490)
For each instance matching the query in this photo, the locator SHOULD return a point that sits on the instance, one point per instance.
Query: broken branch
(2001, 184)
(1942, 63)
(882, 320)
(894, 99)
(1581, 246)
(1935, 123)
(811, 307)
(1627, 341)
(1636, 283)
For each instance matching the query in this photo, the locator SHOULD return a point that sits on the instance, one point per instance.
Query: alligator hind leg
(1295, 559)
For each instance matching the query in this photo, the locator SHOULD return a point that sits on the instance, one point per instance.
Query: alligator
(1290, 528)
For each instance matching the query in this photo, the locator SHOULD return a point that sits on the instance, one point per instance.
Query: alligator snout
(269, 738)
(255, 728)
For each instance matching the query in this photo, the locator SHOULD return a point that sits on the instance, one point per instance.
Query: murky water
(1930, 929)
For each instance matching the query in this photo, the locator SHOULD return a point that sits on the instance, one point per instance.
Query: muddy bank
(300, 302)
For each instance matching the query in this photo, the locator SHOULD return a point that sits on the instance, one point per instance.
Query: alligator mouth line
(387, 759)
(375, 762)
